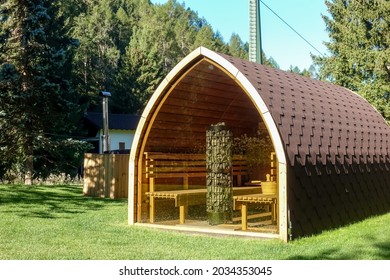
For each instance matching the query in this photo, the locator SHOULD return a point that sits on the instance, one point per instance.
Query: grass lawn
(58, 222)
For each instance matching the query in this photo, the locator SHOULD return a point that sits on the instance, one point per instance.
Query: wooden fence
(106, 175)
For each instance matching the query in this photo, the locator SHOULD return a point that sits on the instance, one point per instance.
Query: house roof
(115, 121)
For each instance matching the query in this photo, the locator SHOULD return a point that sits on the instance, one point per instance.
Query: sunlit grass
(58, 222)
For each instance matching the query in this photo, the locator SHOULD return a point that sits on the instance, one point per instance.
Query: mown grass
(58, 222)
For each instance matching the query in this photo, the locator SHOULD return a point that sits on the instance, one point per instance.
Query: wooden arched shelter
(331, 146)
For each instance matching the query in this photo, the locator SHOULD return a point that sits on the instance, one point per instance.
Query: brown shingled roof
(337, 147)
(317, 119)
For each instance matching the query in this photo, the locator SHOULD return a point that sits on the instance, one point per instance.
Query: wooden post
(244, 215)
(151, 201)
(219, 174)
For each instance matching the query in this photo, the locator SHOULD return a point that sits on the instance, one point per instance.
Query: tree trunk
(29, 164)
(28, 147)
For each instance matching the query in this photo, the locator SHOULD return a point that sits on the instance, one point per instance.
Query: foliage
(70, 151)
(37, 100)
(97, 56)
(163, 36)
(310, 73)
(123, 46)
(237, 48)
(55, 56)
(359, 50)
(270, 62)
(134, 46)
(62, 224)
(257, 149)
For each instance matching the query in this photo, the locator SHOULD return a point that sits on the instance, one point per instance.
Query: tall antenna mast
(255, 46)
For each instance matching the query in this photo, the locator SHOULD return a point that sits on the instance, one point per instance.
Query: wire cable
(285, 22)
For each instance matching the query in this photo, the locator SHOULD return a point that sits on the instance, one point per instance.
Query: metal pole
(106, 142)
(255, 42)
(105, 136)
(259, 47)
(252, 30)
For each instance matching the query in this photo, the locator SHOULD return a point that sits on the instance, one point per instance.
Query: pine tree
(96, 58)
(359, 53)
(37, 103)
(128, 46)
(237, 48)
(163, 36)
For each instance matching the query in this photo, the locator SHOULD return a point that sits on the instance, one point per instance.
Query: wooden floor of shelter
(202, 227)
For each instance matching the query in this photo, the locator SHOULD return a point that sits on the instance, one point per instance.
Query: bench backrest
(172, 165)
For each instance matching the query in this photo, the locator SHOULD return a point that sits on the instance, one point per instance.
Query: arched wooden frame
(156, 102)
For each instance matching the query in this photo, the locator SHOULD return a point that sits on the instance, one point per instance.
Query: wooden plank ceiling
(205, 96)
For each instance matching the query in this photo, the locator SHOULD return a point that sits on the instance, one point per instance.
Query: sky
(278, 40)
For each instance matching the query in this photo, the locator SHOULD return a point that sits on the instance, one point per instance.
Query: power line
(291, 27)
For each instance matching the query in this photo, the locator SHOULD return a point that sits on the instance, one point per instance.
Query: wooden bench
(185, 166)
(242, 201)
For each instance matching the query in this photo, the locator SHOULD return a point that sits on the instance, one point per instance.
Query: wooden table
(242, 201)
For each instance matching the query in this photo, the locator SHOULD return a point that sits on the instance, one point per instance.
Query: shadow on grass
(383, 249)
(330, 254)
(49, 202)
(371, 247)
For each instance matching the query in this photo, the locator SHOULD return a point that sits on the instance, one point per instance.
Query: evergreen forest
(56, 56)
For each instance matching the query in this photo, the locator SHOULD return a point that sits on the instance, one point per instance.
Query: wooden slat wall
(106, 175)
(202, 98)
